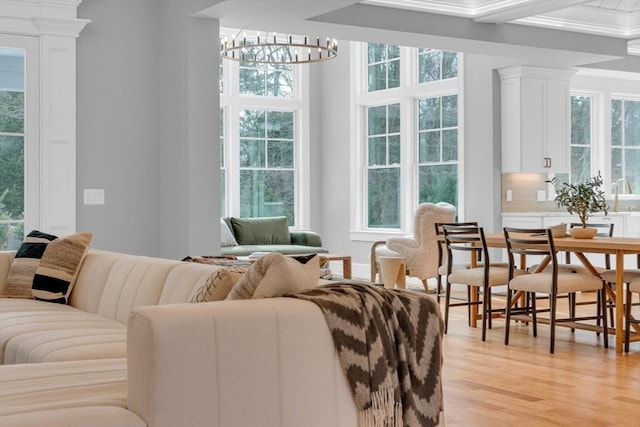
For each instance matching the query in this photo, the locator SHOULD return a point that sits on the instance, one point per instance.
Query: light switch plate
(542, 195)
(94, 196)
(509, 196)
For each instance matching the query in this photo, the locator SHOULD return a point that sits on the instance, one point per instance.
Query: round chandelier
(272, 48)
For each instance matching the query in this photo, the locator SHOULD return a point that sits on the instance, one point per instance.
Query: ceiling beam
(511, 11)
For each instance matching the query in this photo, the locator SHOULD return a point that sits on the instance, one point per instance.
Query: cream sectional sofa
(128, 352)
(93, 324)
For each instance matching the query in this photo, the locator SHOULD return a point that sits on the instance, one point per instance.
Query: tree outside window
(436, 65)
(383, 170)
(383, 66)
(11, 147)
(267, 166)
(625, 142)
(438, 149)
(275, 80)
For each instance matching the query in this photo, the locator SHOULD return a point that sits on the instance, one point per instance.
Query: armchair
(421, 249)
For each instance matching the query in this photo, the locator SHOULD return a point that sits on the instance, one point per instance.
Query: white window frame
(50, 187)
(407, 95)
(603, 86)
(232, 102)
(31, 126)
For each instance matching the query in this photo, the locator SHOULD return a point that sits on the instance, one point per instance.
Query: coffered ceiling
(550, 32)
(617, 18)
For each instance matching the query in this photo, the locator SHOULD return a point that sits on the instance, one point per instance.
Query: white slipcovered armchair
(420, 249)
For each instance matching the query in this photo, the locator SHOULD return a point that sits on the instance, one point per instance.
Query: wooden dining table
(618, 246)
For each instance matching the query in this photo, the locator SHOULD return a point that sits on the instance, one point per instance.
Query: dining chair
(603, 230)
(551, 281)
(632, 287)
(469, 239)
(419, 249)
(442, 255)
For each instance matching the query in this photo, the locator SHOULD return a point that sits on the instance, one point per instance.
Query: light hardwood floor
(582, 384)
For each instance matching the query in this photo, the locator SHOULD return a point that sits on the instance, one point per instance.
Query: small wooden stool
(393, 270)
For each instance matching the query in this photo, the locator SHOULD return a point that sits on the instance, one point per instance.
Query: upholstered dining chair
(469, 240)
(603, 230)
(442, 256)
(553, 282)
(420, 249)
(632, 287)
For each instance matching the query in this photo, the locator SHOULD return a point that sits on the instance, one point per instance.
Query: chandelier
(272, 48)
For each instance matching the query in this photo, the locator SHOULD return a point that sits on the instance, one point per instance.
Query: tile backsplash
(530, 193)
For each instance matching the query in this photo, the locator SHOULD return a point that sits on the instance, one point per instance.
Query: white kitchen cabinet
(535, 119)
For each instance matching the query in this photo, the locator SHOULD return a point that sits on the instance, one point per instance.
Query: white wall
(147, 127)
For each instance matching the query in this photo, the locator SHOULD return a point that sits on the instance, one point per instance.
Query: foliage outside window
(438, 149)
(383, 66)
(400, 108)
(274, 80)
(261, 146)
(436, 65)
(12, 137)
(383, 174)
(580, 144)
(267, 164)
(223, 171)
(625, 142)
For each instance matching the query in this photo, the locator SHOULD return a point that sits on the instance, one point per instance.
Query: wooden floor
(581, 384)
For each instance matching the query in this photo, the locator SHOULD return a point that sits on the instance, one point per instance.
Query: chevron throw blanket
(389, 345)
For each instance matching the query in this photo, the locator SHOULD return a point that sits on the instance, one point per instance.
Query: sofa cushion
(261, 231)
(28, 389)
(226, 236)
(55, 276)
(276, 275)
(24, 265)
(244, 250)
(14, 325)
(219, 284)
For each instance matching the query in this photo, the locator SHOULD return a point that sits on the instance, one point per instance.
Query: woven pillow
(25, 263)
(275, 275)
(218, 285)
(59, 267)
(226, 236)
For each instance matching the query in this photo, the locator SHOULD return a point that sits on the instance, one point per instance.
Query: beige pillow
(275, 275)
(59, 267)
(218, 285)
(25, 264)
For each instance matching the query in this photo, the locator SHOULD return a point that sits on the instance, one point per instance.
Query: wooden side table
(346, 262)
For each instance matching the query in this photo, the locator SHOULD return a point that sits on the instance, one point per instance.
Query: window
(605, 131)
(267, 164)
(223, 171)
(12, 147)
(264, 140)
(580, 144)
(383, 174)
(383, 66)
(436, 65)
(438, 149)
(625, 142)
(408, 147)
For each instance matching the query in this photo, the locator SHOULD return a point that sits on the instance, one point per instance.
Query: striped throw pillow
(59, 267)
(23, 268)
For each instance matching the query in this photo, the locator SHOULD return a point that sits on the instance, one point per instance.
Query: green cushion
(261, 231)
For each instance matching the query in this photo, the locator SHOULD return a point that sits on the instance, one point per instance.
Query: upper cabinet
(535, 119)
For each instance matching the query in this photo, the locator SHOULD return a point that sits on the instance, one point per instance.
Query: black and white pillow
(25, 264)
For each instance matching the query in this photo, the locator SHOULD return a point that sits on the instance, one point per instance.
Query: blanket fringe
(383, 412)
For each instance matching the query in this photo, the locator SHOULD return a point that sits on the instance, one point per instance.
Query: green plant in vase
(582, 199)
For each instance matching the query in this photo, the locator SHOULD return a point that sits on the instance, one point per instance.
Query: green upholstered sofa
(270, 234)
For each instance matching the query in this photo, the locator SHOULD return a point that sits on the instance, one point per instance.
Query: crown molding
(41, 17)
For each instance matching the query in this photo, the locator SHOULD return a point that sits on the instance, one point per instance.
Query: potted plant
(582, 199)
